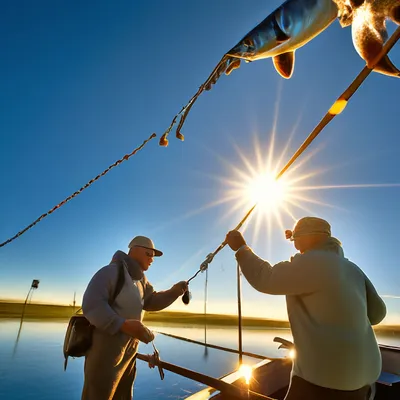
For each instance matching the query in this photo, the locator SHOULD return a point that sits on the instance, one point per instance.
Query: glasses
(148, 253)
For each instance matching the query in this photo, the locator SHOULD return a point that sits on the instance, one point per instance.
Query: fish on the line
(291, 26)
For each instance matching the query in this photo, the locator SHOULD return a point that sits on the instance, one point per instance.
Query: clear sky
(83, 83)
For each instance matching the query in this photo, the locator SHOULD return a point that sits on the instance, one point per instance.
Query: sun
(266, 191)
(255, 180)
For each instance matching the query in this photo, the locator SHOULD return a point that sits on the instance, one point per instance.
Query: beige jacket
(331, 306)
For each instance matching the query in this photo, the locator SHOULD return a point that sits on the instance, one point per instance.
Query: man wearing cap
(110, 363)
(331, 306)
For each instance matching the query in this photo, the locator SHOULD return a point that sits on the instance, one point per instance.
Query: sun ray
(192, 213)
(278, 217)
(274, 128)
(299, 164)
(289, 212)
(247, 163)
(306, 176)
(351, 186)
(260, 160)
(257, 228)
(313, 201)
(300, 206)
(289, 141)
(233, 210)
(251, 180)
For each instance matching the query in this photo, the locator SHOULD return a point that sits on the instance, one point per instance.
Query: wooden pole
(239, 301)
(231, 391)
(205, 313)
(213, 346)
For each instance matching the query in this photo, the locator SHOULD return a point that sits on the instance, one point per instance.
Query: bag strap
(143, 287)
(119, 284)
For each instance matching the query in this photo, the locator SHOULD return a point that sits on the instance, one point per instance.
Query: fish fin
(284, 64)
(386, 67)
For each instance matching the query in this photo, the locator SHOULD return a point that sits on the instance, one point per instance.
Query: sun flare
(246, 371)
(266, 191)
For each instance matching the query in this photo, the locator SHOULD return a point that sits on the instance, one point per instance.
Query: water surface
(33, 369)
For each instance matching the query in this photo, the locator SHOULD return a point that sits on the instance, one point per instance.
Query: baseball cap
(147, 243)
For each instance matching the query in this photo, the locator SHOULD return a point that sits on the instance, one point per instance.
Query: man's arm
(156, 301)
(95, 301)
(376, 307)
(298, 276)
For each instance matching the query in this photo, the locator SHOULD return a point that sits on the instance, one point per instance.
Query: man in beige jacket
(331, 306)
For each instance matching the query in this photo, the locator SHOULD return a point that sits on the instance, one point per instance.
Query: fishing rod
(337, 108)
(231, 391)
(204, 265)
(216, 347)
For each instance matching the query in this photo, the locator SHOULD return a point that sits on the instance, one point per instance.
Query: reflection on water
(36, 369)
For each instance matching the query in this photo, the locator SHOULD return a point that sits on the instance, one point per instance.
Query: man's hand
(180, 288)
(136, 329)
(235, 240)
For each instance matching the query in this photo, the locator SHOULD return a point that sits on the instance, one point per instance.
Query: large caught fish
(368, 23)
(278, 36)
(289, 27)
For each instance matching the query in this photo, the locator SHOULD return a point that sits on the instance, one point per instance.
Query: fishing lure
(289, 27)
(368, 22)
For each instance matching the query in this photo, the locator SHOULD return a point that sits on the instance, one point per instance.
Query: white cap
(145, 242)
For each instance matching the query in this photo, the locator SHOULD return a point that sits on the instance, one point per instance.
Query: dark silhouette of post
(34, 285)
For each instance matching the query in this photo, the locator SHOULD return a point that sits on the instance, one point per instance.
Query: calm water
(34, 368)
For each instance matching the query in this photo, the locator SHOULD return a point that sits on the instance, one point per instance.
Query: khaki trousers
(110, 367)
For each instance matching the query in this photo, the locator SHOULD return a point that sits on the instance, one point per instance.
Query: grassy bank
(35, 311)
(45, 311)
(48, 312)
(211, 319)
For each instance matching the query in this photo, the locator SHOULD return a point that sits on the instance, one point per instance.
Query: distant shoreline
(36, 311)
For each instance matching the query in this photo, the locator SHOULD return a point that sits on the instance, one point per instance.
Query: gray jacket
(137, 294)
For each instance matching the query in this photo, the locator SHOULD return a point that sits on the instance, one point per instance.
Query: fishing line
(124, 158)
(183, 113)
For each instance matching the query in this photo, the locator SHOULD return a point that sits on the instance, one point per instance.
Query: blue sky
(83, 83)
